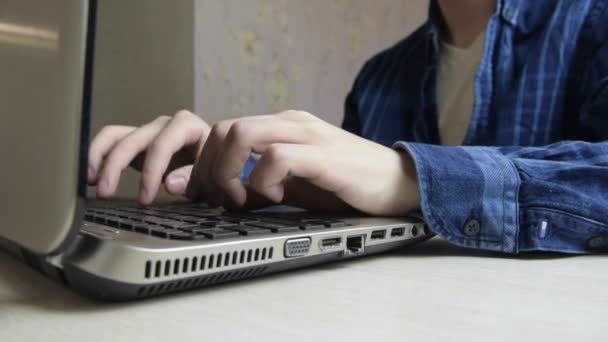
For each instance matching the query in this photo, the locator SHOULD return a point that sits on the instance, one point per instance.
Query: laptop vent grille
(170, 267)
(191, 283)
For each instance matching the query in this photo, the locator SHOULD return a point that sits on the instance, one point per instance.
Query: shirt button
(472, 227)
(598, 242)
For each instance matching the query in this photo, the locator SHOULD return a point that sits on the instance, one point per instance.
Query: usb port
(378, 234)
(331, 243)
(396, 232)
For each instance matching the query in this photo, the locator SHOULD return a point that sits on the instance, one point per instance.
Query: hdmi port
(331, 243)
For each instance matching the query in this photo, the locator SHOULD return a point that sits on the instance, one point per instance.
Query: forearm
(515, 199)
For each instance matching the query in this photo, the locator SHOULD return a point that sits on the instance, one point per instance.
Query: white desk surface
(432, 292)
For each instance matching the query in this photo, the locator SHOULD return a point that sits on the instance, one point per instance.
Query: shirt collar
(524, 15)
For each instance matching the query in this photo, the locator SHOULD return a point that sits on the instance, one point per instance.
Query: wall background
(227, 58)
(264, 56)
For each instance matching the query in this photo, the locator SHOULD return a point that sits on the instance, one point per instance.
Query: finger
(244, 138)
(200, 183)
(201, 186)
(101, 145)
(177, 180)
(124, 152)
(184, 129)
(282, 161)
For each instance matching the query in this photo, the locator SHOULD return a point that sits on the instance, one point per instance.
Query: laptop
(117, 250)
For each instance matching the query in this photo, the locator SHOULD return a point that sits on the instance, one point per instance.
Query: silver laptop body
(117, 251)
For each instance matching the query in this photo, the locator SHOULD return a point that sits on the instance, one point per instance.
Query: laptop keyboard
(199, 222)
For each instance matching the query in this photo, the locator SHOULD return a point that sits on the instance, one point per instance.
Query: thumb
(177, 180)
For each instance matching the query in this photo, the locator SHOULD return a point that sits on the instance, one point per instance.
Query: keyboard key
(137, 217)
(194, 219)
(334, 223)
(152, 219)
(185, 226)
(166, 232)
(249, 231)
(238, 220)
(202, 215)
(274, 227)
(325, 222)
(224, 224)
(143, 228)
(217, 233)
(151, 212)
(311, 225)
(216, 224)
(185, 236)
(176, 217)
(130, 224)
(160, 232)
(113, 221)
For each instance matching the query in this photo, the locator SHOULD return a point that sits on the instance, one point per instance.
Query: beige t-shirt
(455, 89)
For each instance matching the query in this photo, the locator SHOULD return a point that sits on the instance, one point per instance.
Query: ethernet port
(355, 244)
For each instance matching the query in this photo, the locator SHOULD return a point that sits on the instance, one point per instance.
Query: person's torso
(527, 89)
(456, 89)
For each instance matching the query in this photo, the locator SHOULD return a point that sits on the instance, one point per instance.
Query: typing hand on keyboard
(162, 150)
(304, 162)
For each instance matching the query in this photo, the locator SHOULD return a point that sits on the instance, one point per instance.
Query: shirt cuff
(468, 194)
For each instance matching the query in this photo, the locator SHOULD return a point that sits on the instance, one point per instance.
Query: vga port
(297, 247)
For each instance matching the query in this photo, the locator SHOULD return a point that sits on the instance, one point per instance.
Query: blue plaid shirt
(532, 173)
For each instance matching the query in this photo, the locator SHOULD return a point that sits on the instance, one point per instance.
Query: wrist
(409, 189)
(400, 192)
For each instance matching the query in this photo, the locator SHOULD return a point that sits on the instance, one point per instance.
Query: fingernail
(143, 194)
(103, 187)
(275, 193)
(177, 184)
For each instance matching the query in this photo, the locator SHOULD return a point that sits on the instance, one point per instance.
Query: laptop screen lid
(44, 106)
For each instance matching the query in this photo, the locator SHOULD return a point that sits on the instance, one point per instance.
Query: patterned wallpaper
(263, 56)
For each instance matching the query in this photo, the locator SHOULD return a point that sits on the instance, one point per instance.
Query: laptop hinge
(51, 266)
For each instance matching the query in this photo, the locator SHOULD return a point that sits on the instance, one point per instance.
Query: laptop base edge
(103, 289)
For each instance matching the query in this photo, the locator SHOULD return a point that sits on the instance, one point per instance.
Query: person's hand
(304, 161)
(163, 150)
